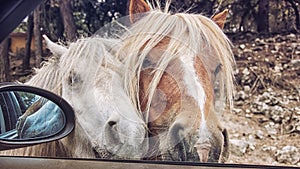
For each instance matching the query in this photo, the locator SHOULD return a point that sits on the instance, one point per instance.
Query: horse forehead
(180, 88)
(109, 88)
(86, 66)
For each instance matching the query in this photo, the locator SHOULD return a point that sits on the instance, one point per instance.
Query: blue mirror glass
(25, 116)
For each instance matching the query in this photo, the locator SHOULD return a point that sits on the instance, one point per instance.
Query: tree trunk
(69, 24)
(37, 36)
(26, 59)
(4, 61)
(263, 16)
(297, 17)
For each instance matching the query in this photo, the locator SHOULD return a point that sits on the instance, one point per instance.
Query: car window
(2, 122)
(11, 110)
(262, 128)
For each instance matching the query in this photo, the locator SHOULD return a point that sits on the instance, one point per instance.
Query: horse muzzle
(184, 147)
(125, 144)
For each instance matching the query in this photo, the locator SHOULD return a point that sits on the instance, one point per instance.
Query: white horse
(88, 77)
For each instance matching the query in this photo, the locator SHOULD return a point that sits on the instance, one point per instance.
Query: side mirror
(30, 115)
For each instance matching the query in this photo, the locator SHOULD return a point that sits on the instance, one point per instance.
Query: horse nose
(203, 148)
(111, 134)
(177, 145)
(124, 138)
(184, 148)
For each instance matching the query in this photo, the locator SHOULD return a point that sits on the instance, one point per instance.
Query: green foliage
(93, 14)
(90, 15)
(28, 98)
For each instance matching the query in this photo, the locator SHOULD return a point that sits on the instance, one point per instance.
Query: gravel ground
(264, 126)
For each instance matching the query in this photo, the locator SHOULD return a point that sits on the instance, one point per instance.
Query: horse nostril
(177, 144)
(112, 123)
(111, 134)
(175, 134)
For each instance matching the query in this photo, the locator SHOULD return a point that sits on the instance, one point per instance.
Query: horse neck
(51, 149)
(77, 144)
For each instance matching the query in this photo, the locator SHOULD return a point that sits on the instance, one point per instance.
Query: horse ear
(220, 18)
(137, 6)
(54, 48)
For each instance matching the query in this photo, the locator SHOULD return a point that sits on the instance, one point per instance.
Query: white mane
(90, 50)
(48, 76)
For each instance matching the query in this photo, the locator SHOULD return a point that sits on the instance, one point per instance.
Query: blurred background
(70, 19)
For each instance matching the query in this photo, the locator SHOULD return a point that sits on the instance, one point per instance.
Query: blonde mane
(187, 34)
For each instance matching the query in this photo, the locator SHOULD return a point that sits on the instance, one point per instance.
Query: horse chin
(122, 146)
(123, 152)
(119, 152)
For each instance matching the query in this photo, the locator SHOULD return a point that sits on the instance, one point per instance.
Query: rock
(242, 46)
(298, 128)
(241, 95)
(271, 130)
(270, 149)
(237, 111)
(239, 103)
(248, 115)
(259, 134)
(251, 142)
(257, 49)
(246, 71)
(295, 64)
(279, 39)
(259, 42)
(270, 40)
(277, 114)
(290, 49)
(291, 36)
(238, 147)
(298, 110)
(288, 154)
(247, 88)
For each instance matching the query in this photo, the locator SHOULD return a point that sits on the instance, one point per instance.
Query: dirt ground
(264, 126)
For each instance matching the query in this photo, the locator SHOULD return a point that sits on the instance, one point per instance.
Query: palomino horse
(171, 60)
(107, 124)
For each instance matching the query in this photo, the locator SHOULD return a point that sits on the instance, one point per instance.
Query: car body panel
(12, 12)
(59, 163)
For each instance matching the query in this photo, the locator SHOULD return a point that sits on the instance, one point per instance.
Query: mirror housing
(66, 110)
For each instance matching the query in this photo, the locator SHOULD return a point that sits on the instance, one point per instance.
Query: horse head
(88, 77)
(170, 63)
(92, 83)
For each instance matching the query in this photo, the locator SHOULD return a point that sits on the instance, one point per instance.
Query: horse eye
(74, 79)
